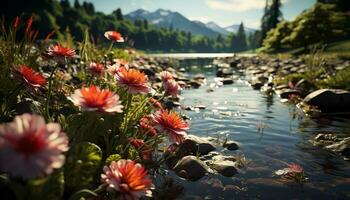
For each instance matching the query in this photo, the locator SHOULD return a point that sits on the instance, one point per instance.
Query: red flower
(15, 22)
(31, 78)
(59, 51)
(146, 126)
(95, 99)
(145, 150)
(129, 179)
(114, 36)
(48, 36)
(134, 80)
(96, 68)
(171, 124)
(29, 24)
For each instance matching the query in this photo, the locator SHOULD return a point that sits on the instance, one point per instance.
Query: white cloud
(237, 5)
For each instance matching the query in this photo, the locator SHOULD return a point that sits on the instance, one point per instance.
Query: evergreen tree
(145, 24)
(272, 16)
(118, 14)
(241, 38)
(77, 4)
(65, 4)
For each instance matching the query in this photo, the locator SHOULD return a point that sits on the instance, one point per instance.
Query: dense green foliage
(60, 16)
(321, 24)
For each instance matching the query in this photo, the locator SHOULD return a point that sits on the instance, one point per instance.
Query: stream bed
(271, 135)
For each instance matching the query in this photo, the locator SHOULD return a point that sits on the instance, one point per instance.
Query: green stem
(49, 94)
(110, 47)
(126, 118)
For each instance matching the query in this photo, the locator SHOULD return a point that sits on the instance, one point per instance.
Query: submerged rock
(224, 167)
(342, 147)
(191, 168)
(230, 145)
(329, 100)
(286, 93)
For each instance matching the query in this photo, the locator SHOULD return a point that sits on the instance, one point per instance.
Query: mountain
(213, 26)
(167, 18)
(234, 29)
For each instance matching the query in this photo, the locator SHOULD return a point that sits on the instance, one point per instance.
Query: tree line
(62, 17)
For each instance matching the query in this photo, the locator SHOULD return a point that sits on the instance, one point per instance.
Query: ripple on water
(236, 111)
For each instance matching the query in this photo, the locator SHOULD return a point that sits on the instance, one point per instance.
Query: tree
(65, 4)
(145, 24)
(239, 41)
(276, 38)
(118, 14)
(272, 16)
(77, 4)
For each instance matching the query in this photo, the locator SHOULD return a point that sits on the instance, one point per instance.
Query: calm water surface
(234, 111)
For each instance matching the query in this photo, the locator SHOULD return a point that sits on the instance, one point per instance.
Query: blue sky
(222, 12)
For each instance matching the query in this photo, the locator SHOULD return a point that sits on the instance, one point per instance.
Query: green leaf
(113, 157)
(83, 161)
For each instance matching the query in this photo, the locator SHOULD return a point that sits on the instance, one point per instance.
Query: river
(235, 111)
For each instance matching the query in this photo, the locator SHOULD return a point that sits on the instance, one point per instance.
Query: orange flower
(145, 150)
(129, 179)
(95, 99)
(59, 51)
(171, 124)
(134, 80)
(114, 36)
(31, 78)
(96, 68)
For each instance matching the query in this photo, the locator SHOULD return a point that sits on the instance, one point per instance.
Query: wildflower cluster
(91, 111)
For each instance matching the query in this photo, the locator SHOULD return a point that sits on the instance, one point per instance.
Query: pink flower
(129, 179)
(114, 69)
(172, 87)
(134, 80)
(96, 68)
(30, 148)
(166, 76)
(95, 99)
(171, 124)
(114, 36)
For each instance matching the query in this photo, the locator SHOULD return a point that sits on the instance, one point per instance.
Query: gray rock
(342, 147)
(230, 145)
(329, 100)
(227, 81)
(191, 168)
(194, 145)
(225, 167)
(285, 94)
